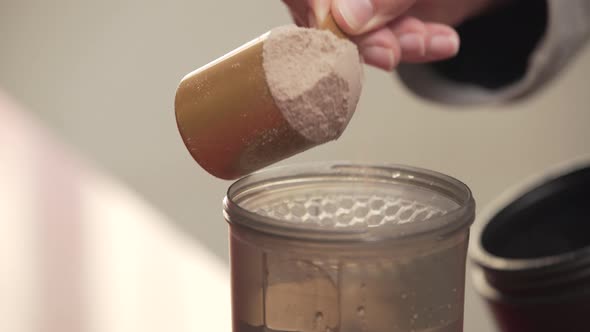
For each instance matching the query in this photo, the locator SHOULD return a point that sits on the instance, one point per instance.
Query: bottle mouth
(342, 201)
(540, 238)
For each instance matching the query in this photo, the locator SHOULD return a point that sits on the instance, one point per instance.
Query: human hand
(392, 31)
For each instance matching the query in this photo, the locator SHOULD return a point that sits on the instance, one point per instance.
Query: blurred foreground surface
(80, 252)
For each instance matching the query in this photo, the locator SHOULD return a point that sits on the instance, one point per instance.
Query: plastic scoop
(227, 116)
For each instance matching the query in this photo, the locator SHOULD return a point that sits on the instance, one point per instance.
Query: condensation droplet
(360, 311)
(319, 316)
(415, 316)
(454, 290)
(404, 296)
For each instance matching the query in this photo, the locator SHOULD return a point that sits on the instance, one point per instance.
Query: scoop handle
(330, 24)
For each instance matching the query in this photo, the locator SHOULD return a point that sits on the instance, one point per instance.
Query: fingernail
(443, 44)
(356, 13)
(379, 56)
(321, 9)
(412, 43)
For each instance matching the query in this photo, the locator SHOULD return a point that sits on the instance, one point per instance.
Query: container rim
(529, 273)
(456, 220)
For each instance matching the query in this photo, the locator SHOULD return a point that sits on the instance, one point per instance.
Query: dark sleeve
(495, 48)
(505, 55)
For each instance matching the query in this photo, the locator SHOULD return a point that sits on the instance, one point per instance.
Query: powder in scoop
(315, 79)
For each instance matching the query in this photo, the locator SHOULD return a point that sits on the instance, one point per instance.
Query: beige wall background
(103, 74)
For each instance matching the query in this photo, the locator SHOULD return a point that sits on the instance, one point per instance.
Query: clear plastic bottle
(338, 247)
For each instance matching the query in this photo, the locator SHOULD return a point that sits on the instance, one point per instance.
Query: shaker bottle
(341, 247)
(532, 253)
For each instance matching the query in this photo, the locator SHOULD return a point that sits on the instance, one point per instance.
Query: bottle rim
(458, 219)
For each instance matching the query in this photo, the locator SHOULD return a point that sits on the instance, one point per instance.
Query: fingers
(389, 41)
(424, 42)
(380, 49)
(299, 11)
(308, 12)
(408, 40)
(356, 17)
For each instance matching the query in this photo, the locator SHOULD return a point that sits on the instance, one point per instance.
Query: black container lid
(539, 237)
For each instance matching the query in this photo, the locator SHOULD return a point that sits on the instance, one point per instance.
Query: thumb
(356, 17)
